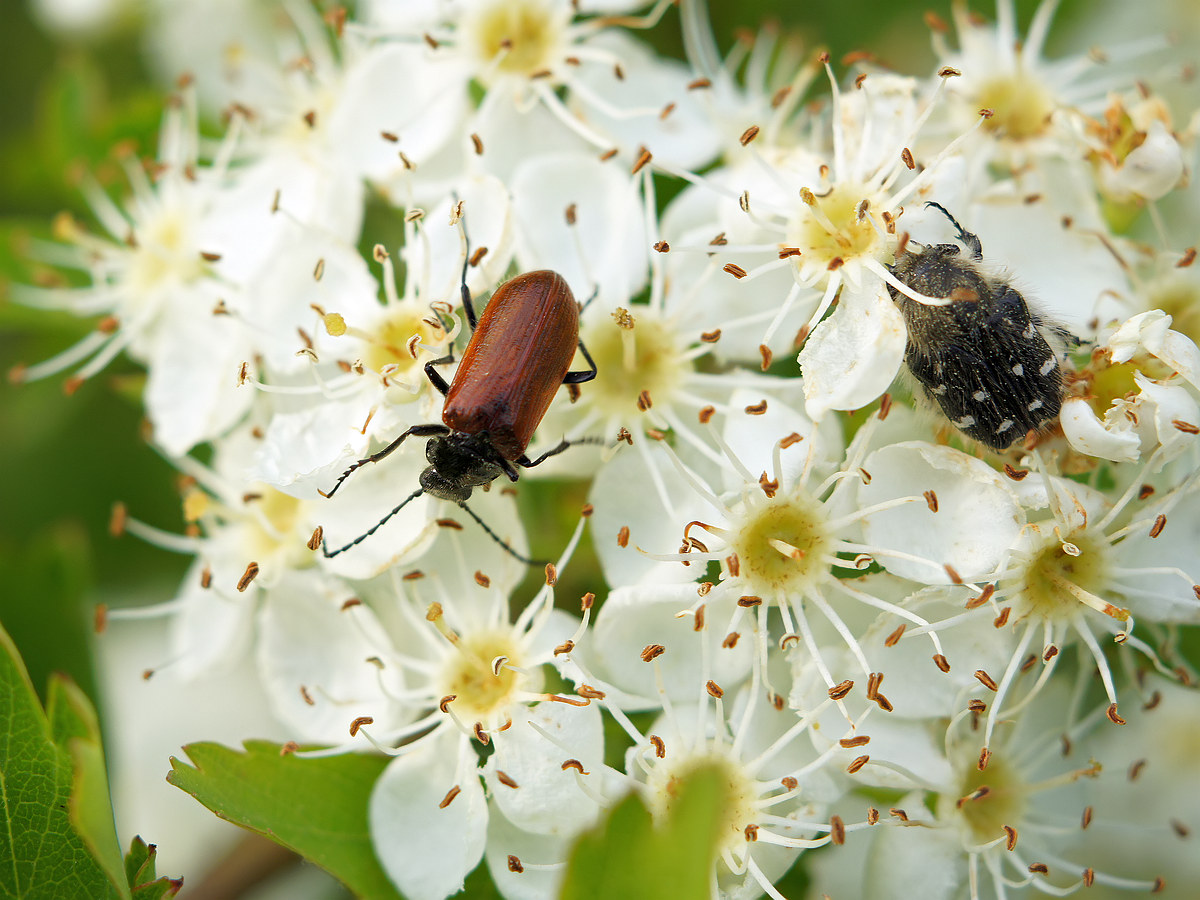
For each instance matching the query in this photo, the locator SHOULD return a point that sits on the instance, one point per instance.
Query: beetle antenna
(966, 238)
(362, 537)
(495, 537)
(946, 213)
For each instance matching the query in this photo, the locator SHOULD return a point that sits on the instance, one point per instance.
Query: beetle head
(458, 463)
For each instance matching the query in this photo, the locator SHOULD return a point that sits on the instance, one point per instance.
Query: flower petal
(428, 848)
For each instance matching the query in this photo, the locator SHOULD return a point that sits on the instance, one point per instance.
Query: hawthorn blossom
(157, 283)
(987, 822)
(476, 677)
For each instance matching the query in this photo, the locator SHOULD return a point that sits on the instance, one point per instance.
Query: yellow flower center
(392, 343)
(783, 546)
(1021, 106)
(990, 799)
(164, 255)
(483, 677)
(835, 227)
(738, 807)
(276, 516)
(519, 37)
(637, 357)
(1045, 587)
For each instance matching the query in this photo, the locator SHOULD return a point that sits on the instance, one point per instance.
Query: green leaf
(635, 858)
(75, 729)
(142, 878)
(316, 807)
(44, 857)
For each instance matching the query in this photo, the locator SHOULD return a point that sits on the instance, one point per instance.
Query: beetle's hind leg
(584, 374)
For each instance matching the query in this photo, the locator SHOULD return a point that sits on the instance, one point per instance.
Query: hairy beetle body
(983, 359)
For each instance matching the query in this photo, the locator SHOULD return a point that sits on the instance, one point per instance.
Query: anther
(986, 680)
(248, 576)
(652, 651)
(840, 690)
(837, 830)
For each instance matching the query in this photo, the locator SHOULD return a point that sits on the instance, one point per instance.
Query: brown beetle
(519, 354)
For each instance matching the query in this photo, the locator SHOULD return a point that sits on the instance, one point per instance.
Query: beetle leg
(362, 537)
(507, 467)
(434, 376)
(418, 430)
(584, 375)
(527, 463)
(467, 305)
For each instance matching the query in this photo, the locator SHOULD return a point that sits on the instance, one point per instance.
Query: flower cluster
(901, 624)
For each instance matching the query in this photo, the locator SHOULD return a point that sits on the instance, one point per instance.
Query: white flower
(1142, 399)
(781, 538)
(779, 770)
(1000, 818)
(247, 539)
(157, 281)
(478, 680)
(1036, 102)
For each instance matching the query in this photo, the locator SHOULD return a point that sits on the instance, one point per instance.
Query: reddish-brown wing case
(522, 347)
